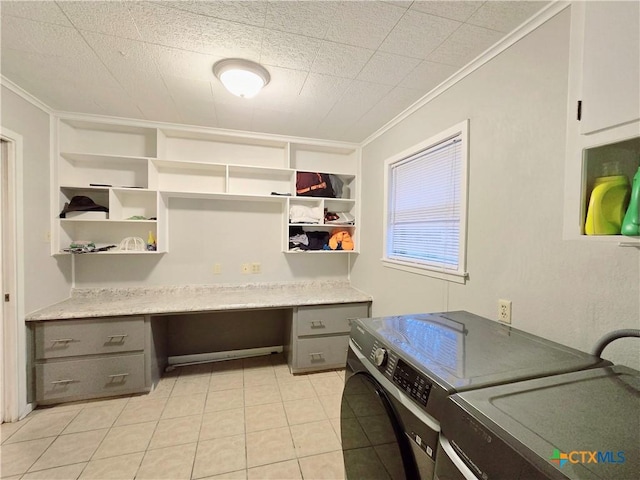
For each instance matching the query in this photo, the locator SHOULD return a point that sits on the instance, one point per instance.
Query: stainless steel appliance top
(459, 351)
(578, 425)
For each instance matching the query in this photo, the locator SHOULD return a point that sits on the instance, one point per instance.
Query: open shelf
(137, 170)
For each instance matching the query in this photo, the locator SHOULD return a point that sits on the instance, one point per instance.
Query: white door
(11, 352)
(611, 65)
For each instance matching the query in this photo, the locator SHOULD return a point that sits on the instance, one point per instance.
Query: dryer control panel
(414, 384)
(408, 379)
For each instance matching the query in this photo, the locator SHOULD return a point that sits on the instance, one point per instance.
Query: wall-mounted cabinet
(604, 106)
(135, 171)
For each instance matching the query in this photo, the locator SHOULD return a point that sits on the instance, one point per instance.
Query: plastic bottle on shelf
(631, 221)
(151, 242)
(608, 201)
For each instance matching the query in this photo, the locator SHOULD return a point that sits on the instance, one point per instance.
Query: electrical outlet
(256, 267)
(504, 311)
(246, 268)
(217, 269)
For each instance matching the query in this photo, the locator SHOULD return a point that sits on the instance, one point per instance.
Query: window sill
(449, 276)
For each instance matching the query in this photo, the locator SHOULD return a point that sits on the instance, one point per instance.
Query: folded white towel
(304, 214)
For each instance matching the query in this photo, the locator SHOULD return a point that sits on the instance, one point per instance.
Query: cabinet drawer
(99, 377)
(322, 352)
(329, 319)
(66, 338)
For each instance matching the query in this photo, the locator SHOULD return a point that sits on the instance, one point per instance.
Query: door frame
(13, 388)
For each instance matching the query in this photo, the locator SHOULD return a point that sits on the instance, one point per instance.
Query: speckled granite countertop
(106, 302)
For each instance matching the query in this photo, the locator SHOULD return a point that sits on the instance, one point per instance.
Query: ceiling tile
(464, 45)
(56, 81)
(90, 76)
(44, 38)
(15, 34)
(47, 11)
(358, 99)
(363, 24)
(386, 110)
(340, 60)
(153, 60)
(270, 121)
(288, 50)
(167, 26)
(230, 39)
(400, 3)
(112, 18)
(116, 102)
(458, 10)
(158, 109)
(428, 75)
(121, 54)
(232, 118)
(408, 37)
(203, 115)
(181, 63)
(311, 19)
(246, 12)
(320, 92)
(188, 91)
(141, 87)
(283, 91)
(505, 16)
(387, 68)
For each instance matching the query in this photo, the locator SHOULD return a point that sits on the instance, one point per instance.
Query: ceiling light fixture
(243, 78)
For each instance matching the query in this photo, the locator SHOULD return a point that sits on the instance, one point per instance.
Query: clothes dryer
(401, 369)
(581, 425)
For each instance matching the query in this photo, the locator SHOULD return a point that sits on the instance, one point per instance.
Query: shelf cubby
(194, 177)
(184, 145)
(107, 138)
(259, 181)
(85, 169)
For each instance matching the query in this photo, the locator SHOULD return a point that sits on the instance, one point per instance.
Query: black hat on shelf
(80, 203)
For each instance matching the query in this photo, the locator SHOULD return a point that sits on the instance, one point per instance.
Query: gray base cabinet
(90, 358)
(319, 336)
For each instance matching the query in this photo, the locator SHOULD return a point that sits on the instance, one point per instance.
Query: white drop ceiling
(339, 70)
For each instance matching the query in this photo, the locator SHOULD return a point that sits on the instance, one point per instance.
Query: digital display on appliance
(434, 341)
(411, 382)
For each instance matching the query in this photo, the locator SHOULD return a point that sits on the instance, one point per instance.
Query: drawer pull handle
(62, 382)
(317, 354)
(119, 375)
(317, 324)
(111, 337)
(62, 340)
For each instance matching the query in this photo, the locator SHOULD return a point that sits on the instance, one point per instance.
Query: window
(426, 206)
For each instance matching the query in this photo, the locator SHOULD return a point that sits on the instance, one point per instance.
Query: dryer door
(374, 445)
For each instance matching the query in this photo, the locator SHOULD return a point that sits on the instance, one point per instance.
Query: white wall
(47, 279)
(205, 232)
(568, 291)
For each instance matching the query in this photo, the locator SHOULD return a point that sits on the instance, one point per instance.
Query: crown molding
(519, 33)
(18, 90)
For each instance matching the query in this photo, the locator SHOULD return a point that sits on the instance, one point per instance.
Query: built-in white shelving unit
(136, 170)
(604, 108)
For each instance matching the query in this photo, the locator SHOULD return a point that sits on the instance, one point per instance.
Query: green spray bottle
(631, 222)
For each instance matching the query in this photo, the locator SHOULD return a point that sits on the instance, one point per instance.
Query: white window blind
(426, 211)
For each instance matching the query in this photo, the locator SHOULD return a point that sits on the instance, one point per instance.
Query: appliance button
(380, 357)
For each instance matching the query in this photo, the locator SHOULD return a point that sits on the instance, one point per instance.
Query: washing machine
(401, 369)
(581, 425)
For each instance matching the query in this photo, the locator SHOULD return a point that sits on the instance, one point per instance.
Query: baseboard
(182, 360)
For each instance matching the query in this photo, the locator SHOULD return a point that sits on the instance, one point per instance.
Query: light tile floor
(238, 419)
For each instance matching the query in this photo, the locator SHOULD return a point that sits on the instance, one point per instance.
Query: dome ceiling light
(243, 78)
